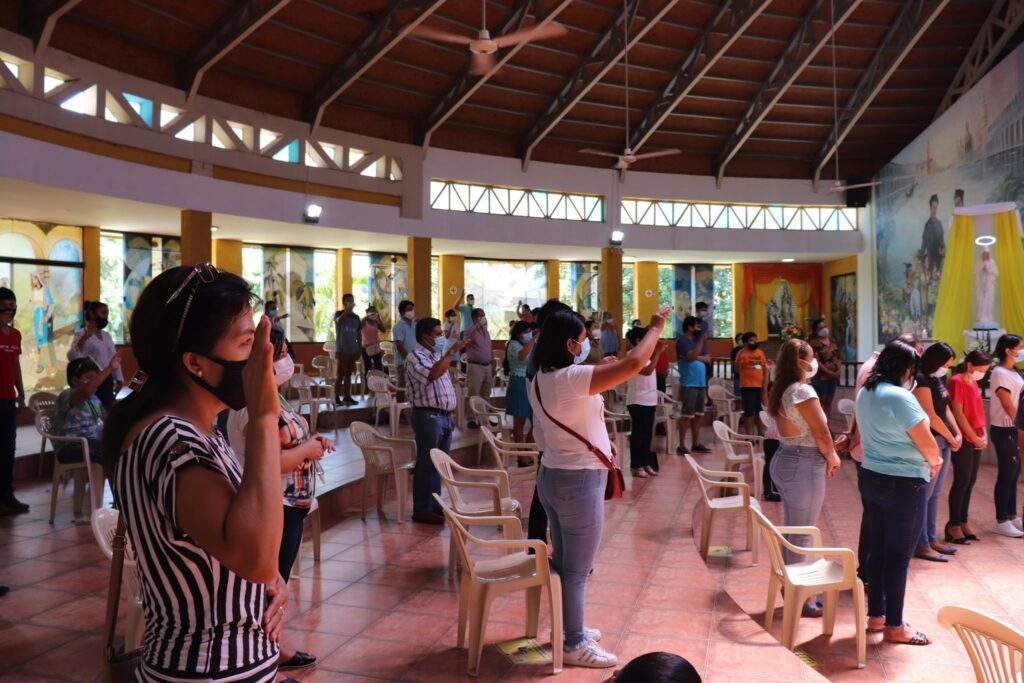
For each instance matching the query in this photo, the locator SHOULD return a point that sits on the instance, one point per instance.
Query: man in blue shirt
(692, 354)
(403, 334)
(465, 310)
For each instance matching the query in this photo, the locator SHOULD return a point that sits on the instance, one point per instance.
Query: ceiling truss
(910, 23)
(38, 18)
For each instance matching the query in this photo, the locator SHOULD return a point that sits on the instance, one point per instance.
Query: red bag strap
(609, 463)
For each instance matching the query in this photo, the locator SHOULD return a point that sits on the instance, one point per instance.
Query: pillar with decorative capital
(196, 241)
(451, 270)
(645, 289)
(91, 264)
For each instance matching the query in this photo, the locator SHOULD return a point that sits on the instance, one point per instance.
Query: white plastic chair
(742, 501)
(383, 394)
(848, 409)
(309, 395)
(484, 578)
(742, 449)
(815, 575)
(996, 649)
(667, 415)
(385, 456)
(490, 419)
(458, 481)
(507, 454)
(328, 348)
(82, 471)
(314, 519)
(725, 406)
(42, 400)
(104, 524)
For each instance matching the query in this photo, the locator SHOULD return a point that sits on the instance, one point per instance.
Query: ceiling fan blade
(844, 188)
(546, 32)
(599, 153)
(621, 164)
(423, 31)
(481, 64)
(659, 153)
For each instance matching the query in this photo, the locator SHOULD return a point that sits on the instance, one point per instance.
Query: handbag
(118, 667)
(616, 484)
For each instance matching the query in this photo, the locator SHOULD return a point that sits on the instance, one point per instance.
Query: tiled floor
(987, 575)
(379, 607)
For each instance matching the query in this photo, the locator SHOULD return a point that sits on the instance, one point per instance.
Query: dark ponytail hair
(91, 307)
(1005, 343)
(896, 358)
(934, 357)
(154, 333)
(551, 352)
(977, 358)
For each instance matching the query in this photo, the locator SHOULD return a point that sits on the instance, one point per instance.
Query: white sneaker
(1018, 522)
(639, 473)
(1008, 528)
(651, 471)
(593, 634)
(589, 655)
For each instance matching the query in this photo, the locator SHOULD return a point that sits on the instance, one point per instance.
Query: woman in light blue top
(517, 402)
(900, 458)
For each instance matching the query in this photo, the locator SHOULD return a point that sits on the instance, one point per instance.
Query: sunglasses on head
(204, 273)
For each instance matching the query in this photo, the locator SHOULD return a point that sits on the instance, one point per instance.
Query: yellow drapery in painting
(760, 282)
(1009, 254)
(956, 288)
(802, 293)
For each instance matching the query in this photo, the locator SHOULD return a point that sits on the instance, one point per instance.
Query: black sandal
(950, 538)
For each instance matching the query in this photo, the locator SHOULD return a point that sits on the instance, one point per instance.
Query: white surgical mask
(940, 373)
(409, 315)
(451, 318)
(526, 336)
(595, 333)
(703, 314)
(823, 332)
(1020, 356)
(284, 370)
(978, 375)
(584, 352)
(813, 370)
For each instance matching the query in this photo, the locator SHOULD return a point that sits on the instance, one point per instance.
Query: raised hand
(659, 318)
(258, 375)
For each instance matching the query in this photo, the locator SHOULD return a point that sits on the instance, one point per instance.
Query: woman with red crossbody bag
(580, 468)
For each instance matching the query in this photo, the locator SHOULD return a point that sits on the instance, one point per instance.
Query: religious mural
(973, 154)
(844, 314)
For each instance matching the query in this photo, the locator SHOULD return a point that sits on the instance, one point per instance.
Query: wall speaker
(858, 198)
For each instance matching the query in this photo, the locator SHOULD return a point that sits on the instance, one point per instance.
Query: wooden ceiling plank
(700, 59)
(899, 40)
(38, 18)
(605, 53)
(383, 35)
(238, 24)
(801, 50)
(466, 84)
(1002, 23)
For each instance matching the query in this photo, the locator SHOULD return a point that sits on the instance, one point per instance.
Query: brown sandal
(917, 638)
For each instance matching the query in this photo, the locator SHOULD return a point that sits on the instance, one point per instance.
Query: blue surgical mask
(526, 336)
(584, 352)
(439, 344)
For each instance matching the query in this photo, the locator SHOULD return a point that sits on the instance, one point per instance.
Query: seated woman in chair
(79, 411)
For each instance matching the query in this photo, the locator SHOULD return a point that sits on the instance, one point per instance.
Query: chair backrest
(325, 365)
(460, 536)
(41, 400)
(996, 649)
(378, 385)
(484, 411)
(847, 406)
(717, 392)
(104, 524)
(387, 347)
(771, 537)
(768, 421)
(702, 478)
(376, 452)
(44, 421)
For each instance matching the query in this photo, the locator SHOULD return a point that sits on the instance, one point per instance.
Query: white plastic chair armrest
(732, 476)
(812, 531)
(80, 440)
(744, 488)
(495, 490)
(511, 527)
(750, 438)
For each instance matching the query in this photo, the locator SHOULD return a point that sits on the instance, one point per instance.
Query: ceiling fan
(627, 158)
(483, 48)
(838, 186)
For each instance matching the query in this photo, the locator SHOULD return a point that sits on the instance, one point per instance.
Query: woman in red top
(965, 400)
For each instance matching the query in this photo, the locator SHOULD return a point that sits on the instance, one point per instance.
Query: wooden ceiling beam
(606, 52)
(735, 16)
(466, 84)
(1002, 23)
(38, 18)
(238, 23)
(386, 32)
(803, 47)
(913, 19)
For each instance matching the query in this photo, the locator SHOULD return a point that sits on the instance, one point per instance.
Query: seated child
(79, 411)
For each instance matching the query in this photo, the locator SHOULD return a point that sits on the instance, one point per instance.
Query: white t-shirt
(567, 397)
(642, 390)
(1010, 380)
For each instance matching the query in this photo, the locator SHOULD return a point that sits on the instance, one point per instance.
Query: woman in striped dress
(206, 537)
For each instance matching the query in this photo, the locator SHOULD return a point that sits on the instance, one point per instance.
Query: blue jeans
(574, 503)
(928, 534)
(1004, 441)
(799, 476)
(432, 430)
(8, 435)
(893, 508)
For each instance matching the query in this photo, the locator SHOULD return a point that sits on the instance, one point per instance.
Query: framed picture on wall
(844, 314)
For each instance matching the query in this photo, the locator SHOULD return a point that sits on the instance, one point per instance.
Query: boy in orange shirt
(753, 367)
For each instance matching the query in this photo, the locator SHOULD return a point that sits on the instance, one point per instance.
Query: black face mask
(696, 332)
(101, 323)
(753, 347)
(231, 391)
